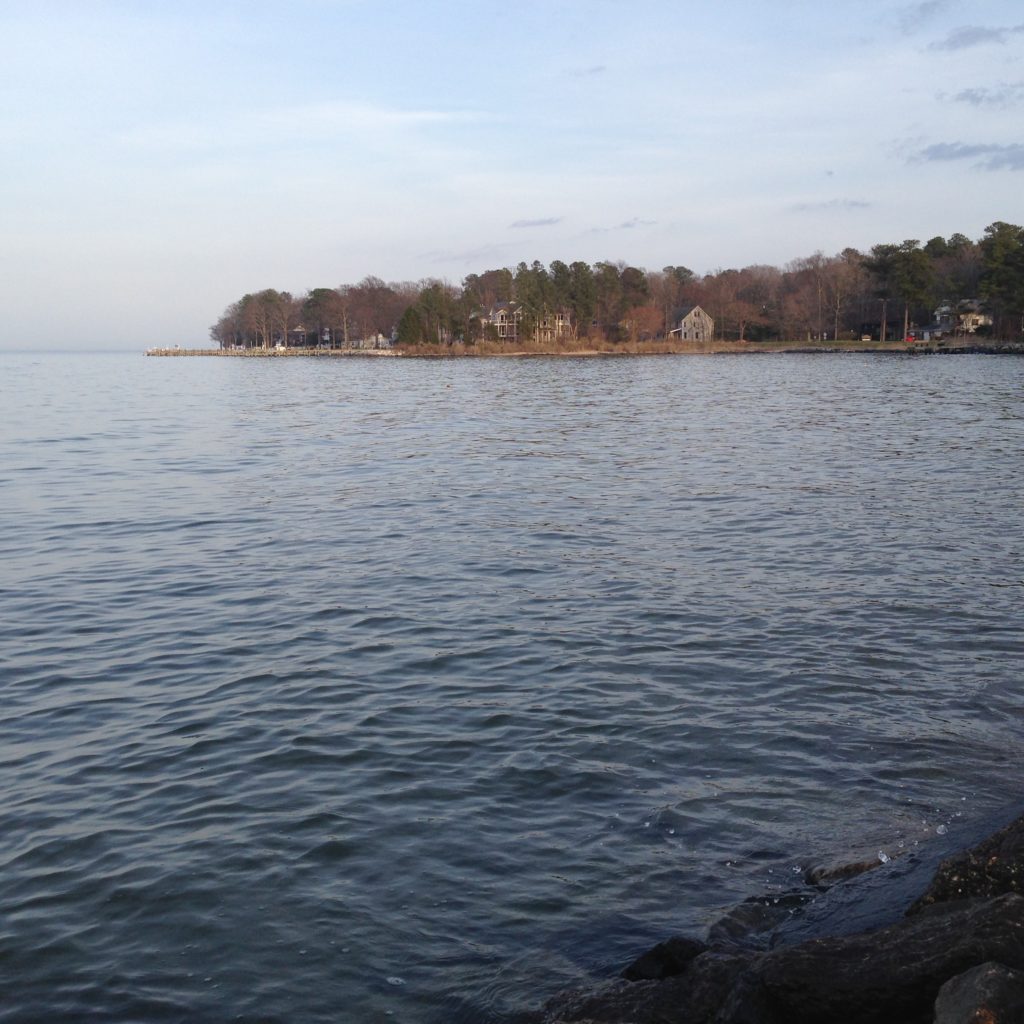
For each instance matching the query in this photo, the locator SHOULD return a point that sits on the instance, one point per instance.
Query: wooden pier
(963, 346)
(274, 353)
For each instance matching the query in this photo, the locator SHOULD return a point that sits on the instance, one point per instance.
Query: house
(695, 325)
(552, 327)
(963, 318)
(298, 337)
(944, 317)
(375, 341)
(971, 316)
(505, 319)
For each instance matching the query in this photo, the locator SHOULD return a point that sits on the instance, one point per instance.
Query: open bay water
(384, 690)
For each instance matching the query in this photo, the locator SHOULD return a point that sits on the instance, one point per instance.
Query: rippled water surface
(416, 691)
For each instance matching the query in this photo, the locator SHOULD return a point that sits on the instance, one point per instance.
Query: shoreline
(934, 935)
(487, 351)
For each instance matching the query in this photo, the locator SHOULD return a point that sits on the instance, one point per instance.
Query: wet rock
(968, 926)
(696, 995)
(665, 960)
(751, 924)
(829, 874)
(993, 867)
(988, 994)
(893, 974)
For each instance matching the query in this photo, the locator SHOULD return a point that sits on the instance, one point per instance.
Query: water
(416, 691)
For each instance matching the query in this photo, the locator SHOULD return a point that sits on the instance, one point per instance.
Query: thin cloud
(916, 16)
(314, 121)
(480, 254)
(990, 156)
(594, 69)
(1005, 95)
(540, 222)
(976, 35)
(831, 204)
(626, 225)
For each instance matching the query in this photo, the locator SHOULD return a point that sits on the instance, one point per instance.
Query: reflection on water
(416, 691)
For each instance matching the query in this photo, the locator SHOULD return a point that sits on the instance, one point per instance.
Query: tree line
(891, 288)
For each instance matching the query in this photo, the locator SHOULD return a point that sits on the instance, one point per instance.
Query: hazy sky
(159, 159)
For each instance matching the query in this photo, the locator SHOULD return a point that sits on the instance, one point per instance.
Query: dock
(274, 353)
(963, 346)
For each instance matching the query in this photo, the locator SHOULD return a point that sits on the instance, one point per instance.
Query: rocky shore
(923, 941)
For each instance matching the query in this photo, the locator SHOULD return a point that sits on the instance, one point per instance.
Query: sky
(161, 158)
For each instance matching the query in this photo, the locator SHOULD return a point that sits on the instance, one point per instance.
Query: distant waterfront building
(505, 318)
(972, 316)
(695, 325)
(944, 316)
(298, 337)
(963, 318)
(374, 341)
(552, 326)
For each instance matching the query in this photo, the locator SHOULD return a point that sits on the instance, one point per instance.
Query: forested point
(947, 285)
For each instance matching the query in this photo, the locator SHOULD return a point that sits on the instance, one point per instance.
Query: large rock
(753, 924)
(893, 974)
(972, 914)
(989, 994)
(994, 866)
(695, 995)
(666, 960)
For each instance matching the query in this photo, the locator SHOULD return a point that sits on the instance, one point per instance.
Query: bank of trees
(885, 291)
(338, 317)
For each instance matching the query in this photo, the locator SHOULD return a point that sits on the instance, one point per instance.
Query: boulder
(665, 960)
(695, 995)
(993, 867)
(752, 924)
(893, 974)
(963, 936)
(987, 994)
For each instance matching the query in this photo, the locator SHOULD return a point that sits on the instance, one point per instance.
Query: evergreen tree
(1002, 280)
(410, 327)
